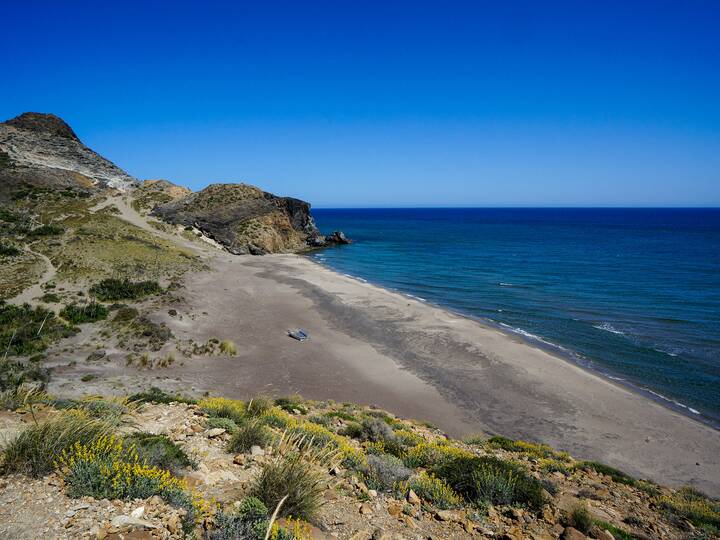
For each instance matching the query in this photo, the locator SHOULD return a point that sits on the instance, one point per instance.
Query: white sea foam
(534, 337)
(608, 328)
(670, 400)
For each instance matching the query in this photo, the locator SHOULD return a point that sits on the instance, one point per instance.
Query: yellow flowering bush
(107, 468)
(528, 448)
(408, 438)
(223, 408)
(434, 453)
(435, 491)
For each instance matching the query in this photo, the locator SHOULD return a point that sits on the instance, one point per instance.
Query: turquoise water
(633, 293)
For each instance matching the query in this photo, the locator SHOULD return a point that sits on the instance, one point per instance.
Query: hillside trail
(132, 216)
(35, 291)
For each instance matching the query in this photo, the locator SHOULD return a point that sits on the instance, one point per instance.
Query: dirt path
(35, 291)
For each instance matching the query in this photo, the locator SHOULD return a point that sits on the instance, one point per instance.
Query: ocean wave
(608, 328)
(673, 401)
(356, 278)
(532, 336)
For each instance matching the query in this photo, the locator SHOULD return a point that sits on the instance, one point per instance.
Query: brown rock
(412, 498)
(239, 459)
(394, 509)
(448, 515)
(571, 533)
(604, 535)
(365, 509)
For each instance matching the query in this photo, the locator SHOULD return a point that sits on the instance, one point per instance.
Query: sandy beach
(374, 346)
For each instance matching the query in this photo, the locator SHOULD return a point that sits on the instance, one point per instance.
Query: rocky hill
(246, 219)
(42, 151)
(231, 470)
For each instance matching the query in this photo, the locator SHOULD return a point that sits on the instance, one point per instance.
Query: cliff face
(42, 151)
(244, 218)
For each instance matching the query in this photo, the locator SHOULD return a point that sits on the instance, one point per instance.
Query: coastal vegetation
(295, 456)
(113, 289)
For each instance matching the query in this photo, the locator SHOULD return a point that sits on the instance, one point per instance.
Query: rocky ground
(34, 508)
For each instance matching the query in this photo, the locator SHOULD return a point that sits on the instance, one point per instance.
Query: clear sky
(386, 103)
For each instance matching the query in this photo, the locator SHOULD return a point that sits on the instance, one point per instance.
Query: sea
(631, 293)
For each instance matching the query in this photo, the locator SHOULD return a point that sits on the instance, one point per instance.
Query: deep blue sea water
(634, 293)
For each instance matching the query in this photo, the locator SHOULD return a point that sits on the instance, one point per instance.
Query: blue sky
(386, 103)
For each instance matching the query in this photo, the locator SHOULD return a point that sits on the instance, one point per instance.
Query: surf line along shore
(375, 346)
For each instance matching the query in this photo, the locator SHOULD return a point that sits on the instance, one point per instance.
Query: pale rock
(138, 512)
(372, 493)
(239, 459)
(255, 450)
(214, 432)
(412, 497)
(129, 521)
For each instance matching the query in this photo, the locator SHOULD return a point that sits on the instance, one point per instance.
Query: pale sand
(374, 346)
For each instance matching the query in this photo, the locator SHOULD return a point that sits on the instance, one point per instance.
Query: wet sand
(374, 346)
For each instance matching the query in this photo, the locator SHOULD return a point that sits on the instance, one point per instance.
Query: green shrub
(35, 449)
(581, 519)
(223, 423)
(342, 415)
(47, 230)
(435, 491)
(249, 522)
(251, 433)
(384, 472)
(50, 298)
(616, 474)
(376, 430)
(294, 477)
(8, 250)
(112, 289)
(91, 312)
(320, 420)
(487, 479)
(156, 395)
(258, 406)
(25, 330)
(159, 451)
(617, 532)
(13, 374)
(228, 348)
(291, 404)
(104, 409)
(125, 314)
(353, 430)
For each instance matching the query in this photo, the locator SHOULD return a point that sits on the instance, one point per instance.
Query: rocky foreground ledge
(218, 469)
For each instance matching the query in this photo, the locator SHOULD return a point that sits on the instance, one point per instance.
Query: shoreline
(667, 416)
(561, 351)
(374, 346)
(553, 348)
